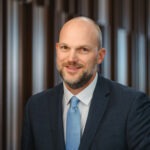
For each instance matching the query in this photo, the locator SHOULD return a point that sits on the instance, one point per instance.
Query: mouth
(72, 69)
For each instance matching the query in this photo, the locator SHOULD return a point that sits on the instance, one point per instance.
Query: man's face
(77, 55)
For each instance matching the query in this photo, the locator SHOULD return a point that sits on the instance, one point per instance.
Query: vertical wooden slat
(122, 57)
(83, 7)
(107, 45)
(50, 44)
(134, 78)
(39, 2)
(93, 8)
(27, 51)
(140, 51)
(39, 50)
(14, 76)
(133, 60)
(142, 65)
(1, 74)
(114, 23)
(129, 51)
(8, 78)
(59, 6)
(24, 66)
(72, 7)
(117, 11)
(65, 6)
(103, 20)
(103, 12)
(19, 102)
(148, 44)
(126, 17)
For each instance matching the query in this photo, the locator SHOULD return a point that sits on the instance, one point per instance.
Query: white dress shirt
(85, 97)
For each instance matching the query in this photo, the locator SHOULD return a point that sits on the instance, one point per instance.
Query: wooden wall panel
(1, 73)
(20, 31)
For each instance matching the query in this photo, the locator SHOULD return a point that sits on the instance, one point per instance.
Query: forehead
(78, 31)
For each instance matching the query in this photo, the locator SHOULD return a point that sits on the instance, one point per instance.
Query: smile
(72, 69)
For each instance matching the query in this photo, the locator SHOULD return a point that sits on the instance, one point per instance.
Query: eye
(63, 47)
(83, 50)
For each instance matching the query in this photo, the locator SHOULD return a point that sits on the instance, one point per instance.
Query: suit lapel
(98, 106)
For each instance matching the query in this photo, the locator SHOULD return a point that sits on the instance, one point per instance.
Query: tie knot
(74, 102)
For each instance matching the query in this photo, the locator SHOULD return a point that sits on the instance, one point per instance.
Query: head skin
(79, 52)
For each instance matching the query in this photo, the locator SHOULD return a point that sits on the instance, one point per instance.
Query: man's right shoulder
(45, 95)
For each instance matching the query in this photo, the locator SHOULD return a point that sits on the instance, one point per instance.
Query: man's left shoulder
(121, 90)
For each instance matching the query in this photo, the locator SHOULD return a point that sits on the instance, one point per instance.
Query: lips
(72, 69)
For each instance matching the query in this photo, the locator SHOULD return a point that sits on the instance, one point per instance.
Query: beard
(82, 79)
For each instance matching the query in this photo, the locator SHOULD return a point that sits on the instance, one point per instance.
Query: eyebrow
(80, 46)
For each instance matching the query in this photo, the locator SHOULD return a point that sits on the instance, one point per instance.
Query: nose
(72, 55)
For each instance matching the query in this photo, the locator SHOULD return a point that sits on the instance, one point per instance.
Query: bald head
(83, 25)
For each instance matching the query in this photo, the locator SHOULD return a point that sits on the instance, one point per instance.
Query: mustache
(74, 64)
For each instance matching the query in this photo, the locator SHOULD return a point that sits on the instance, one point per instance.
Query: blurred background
(28, 33)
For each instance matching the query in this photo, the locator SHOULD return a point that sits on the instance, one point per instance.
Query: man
(106, 116)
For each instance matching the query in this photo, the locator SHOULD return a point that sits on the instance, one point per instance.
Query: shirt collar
(85, 95)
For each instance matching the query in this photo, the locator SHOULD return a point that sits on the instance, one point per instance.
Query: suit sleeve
(27, 137)
(138, 124)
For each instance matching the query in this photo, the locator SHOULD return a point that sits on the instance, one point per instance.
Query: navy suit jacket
(119, 119)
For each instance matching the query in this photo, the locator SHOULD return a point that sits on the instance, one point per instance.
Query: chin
(71, 81)
(72, 77)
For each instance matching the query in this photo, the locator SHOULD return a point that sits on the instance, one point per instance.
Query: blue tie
(73, 126)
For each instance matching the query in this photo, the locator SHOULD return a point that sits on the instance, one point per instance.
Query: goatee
(85, 78)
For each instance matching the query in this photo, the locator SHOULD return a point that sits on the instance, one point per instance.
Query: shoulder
(115, 86)
(45, 96)
(126, 99)
(120, 91)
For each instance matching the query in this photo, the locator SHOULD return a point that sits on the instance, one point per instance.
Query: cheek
(59, 58)
(58, 61)
(90, 63)
(92, 60)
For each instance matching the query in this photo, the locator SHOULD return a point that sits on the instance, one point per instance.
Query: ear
(101, 55)
(56, 46)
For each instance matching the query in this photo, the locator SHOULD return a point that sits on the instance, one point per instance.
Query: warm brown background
(28, 32)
